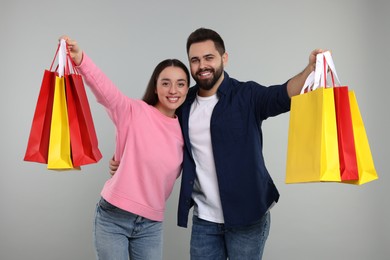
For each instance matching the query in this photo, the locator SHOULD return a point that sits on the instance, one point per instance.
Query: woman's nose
(173, 89)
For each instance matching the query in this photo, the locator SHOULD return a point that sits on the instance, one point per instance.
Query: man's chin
(205, 85)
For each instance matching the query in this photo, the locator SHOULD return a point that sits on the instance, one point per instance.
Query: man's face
(206, 64)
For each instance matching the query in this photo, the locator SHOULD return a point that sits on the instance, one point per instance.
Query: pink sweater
(149, 146)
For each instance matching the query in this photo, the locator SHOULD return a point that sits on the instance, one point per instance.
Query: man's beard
(208, 84)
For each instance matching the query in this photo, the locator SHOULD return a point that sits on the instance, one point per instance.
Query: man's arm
(295, 84)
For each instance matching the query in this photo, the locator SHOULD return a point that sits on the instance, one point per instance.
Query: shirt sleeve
(104, 89)
(271, 101)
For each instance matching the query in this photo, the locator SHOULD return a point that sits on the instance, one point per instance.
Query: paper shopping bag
(366, 168)
(59, 156)
(312, 152)
(346, 143)
(38, 142)
(83, 139)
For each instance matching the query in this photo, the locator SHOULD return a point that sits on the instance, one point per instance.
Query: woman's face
(171, 89)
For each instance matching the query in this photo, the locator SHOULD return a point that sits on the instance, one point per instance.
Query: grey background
(48, 215)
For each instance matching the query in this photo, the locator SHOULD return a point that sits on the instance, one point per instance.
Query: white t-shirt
(206, 191)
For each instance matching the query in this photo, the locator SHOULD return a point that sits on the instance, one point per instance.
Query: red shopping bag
(38, 142)
(345, 135)
(83, 139)
(347, 149)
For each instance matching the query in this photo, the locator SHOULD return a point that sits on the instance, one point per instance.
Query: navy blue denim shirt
(245, 186)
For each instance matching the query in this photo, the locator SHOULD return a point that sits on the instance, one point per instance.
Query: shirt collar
(224, 87)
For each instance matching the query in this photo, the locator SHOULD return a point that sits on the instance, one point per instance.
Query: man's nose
(202, 64)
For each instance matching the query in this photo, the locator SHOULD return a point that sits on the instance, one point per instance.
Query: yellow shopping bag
(59, 156)
(312, 152)
(366, 168)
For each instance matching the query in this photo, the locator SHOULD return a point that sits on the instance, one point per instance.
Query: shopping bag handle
(313, 81)
(308, 83)
(329, 60)
(55, 56)
(70, 66)
(65, 64)
(62, 58)
(323, 60)
(321, 68)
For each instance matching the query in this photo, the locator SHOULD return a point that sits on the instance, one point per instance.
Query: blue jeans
(119, 234)
(212, 241)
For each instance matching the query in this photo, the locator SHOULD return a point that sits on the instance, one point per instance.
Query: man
(224, 174)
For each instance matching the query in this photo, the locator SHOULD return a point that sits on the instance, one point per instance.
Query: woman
(149, 146)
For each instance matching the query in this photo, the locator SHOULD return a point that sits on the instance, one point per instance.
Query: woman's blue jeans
(119, 234)
(212, 241)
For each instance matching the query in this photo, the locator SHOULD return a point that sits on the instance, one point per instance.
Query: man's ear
(225, 58)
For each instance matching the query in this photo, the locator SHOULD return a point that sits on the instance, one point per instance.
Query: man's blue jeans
(212, 241)
(119, 234)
